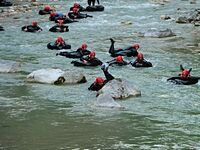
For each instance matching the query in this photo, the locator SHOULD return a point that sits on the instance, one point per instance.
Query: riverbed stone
(56, 76)
(157, 33)
(7, 66)
(106, 100)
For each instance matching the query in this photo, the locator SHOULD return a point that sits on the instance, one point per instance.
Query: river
(49, 117)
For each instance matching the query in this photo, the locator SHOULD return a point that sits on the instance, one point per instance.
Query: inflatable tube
(66, 20)
(95, 8)
(70, 54)
(124, 52)
(5, 4)
(79, 16)
(178, 80)
(81, 63)
(1, 28)
(145, 64)
(31, 29)
(43, 12)
(59, 29)
(52, 46)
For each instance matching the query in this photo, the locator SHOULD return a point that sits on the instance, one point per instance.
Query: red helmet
(59, 39)
(76, 5)
(185, 73)
(84, 46)
(99, 80)
(34, 23)
(136, 46)
(140, 56)
(119, 59)
(52, 14)
(47, 8)
(75, 10)
(92, 54)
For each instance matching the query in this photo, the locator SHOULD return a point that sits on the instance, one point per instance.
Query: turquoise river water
(50, 117)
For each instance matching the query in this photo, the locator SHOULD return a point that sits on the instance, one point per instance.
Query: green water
(49, 117)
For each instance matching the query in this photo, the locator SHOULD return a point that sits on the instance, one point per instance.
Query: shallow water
(49, 117)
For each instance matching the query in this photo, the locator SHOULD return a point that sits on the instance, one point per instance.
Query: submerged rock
(106, 100)
(7, 66)
(56, 76)
(156, 33)
(165, 17)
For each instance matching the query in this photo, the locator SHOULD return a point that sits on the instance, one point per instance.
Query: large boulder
(56, 76)
(115, 89)
(119, 89)
(156, 33)
(7, 66)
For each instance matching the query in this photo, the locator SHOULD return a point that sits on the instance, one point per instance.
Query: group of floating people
(61, 19)
(88, 58)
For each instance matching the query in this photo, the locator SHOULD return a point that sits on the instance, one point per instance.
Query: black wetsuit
(144, 63)
(129, 51)
(92, 2)
(80, 8)
(93, 62)
(78, 15)
(96, 87)
(44, 12)
(65, 20)
(117, 63)
(58, 46)
(31, 28)
(58, 28)
(75, 54)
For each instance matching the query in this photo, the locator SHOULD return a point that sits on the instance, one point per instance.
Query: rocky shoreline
(19, 7)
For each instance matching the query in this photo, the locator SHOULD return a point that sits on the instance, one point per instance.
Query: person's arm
(111, 62)
(181, 67)
(92, 87)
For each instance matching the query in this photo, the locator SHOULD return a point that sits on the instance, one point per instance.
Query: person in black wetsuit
(140, 61)
(75, 14)
(91, 60)
(76, 5)
(47, 10)
(185, 74)
(92, 2)
(184, 78)
(58, 44)
(59, 27)
(32, 28)
(118, 61)
(80, 52)
(129, 51)
(99, 81)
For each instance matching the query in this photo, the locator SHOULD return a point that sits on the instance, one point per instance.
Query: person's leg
(112, 48)
(93, 2)
(108, 76)
(89, 2)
